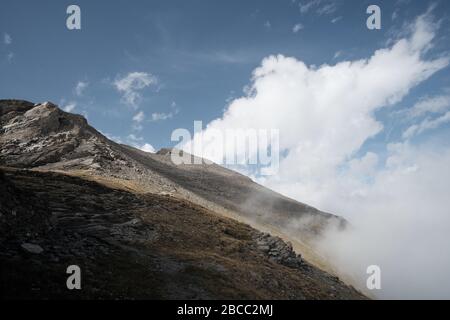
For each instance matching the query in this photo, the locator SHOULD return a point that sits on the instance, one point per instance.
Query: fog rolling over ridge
(395, 193)
(402, 225)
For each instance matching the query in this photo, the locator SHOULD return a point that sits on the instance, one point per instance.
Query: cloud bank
(396, 202)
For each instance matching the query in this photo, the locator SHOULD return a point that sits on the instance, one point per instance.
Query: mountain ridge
(42, 142)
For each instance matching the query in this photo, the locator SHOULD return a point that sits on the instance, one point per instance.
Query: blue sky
(201, 52)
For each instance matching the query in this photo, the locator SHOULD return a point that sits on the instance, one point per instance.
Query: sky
(363, 115)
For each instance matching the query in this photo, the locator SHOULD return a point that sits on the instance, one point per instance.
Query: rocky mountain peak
(35, 135)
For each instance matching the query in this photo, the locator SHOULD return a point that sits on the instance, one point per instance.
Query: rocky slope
(43, 136)
(138, 226)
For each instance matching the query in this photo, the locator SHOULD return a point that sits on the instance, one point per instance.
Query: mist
(394, 195)
(402, 224)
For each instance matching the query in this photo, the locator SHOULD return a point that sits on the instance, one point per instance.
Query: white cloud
(80, 88)
(70, 107)
(325, 114)
(288, 95)
(328, 8)
(131, 85)
(297, 28)
(306, 6)
(147, 148)
(436, 104)
(139, 117)
(268, 25)
(322, 7)
(334, 20)
(161, 116)
(134, 138)
(137, 142)
(337, 54)
(158, 116)
(426, 125)
(427, 106)
(7, 39)
(364, 166)
(400, 222)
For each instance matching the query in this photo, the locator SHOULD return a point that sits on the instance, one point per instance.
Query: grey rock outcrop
(277, 250)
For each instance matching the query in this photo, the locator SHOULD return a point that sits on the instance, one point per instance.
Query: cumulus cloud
(147, 148)
(301, 101)
(131, 85)
(325, 115)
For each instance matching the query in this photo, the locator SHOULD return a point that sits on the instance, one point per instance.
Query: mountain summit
(139, 226)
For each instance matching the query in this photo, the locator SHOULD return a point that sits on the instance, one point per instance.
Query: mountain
(139, 226)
